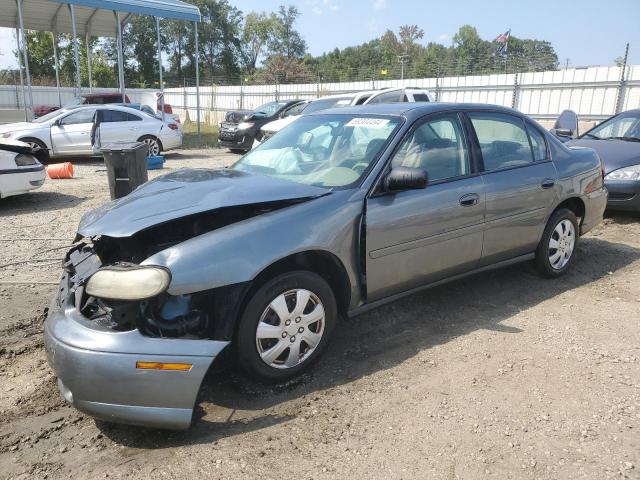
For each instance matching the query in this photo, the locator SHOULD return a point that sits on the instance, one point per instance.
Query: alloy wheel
(561, 244)
(152, 144)
(290, 328)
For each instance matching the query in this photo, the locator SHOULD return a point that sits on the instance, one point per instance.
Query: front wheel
(286, 326)
(556, 249)
(41, 152)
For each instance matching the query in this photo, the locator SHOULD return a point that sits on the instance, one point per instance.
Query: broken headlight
(128, 282)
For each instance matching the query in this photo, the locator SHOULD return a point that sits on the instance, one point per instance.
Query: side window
(438, 146)
(503, 140)
(109, 116)
(132, 117)
(295, 110)
(538, 143)
(84, 115)
(389, 97)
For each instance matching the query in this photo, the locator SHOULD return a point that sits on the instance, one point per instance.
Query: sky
(586, 32)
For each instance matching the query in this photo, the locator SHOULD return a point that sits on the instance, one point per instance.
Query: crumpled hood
(614, 153)
(186, 192)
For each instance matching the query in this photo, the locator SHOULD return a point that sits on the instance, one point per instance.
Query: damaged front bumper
(97, 368)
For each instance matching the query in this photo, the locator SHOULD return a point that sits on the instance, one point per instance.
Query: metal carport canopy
(92, 16)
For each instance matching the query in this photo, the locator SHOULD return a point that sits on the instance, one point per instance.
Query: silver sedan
(80, 130)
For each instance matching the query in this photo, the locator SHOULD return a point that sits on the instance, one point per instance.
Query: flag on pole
(504, 40)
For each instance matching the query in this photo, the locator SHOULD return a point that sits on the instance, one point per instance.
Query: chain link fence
(593, 92)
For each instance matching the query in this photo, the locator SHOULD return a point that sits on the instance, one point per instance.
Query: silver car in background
(340, 212)
(80, 130)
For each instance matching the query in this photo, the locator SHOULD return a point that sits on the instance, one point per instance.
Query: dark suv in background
(238, 134)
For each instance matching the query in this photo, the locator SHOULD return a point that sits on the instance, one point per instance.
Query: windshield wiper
(627, 139)
(595, 137)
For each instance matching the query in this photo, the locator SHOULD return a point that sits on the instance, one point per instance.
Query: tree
(257, 32)
(139, 43)
(287, 41)
(409, 34)
(40, 48)
(218, 40)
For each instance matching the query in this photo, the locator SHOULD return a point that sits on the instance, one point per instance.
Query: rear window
(421, 97)
(318, 105)
(389, 97)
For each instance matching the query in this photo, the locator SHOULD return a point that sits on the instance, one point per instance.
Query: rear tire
(286, 326)
(557, 247)
(154, 144)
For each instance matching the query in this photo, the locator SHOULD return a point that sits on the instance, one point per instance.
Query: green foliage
(468, 55)
(267, 47)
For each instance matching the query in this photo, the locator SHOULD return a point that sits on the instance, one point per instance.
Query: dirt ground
(500, 375)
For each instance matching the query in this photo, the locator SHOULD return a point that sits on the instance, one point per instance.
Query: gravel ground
(500, 375)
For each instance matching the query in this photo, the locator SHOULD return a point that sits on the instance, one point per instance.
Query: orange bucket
(60, 170)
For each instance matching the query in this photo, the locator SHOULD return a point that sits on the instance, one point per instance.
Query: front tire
(43, 153)
(285, 326)
(557, 247)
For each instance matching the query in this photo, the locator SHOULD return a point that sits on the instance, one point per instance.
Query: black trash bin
(126, 166)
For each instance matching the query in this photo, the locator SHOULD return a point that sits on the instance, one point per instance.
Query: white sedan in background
(385, 95)
(20, 171)
(81, 130)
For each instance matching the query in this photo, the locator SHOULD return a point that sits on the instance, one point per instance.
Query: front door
(415, 237)
(520, 179)
(72, 133)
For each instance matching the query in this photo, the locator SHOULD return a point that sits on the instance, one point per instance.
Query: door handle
(469, 199)
(548, 183)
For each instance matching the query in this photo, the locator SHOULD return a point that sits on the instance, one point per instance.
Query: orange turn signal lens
(180, 367)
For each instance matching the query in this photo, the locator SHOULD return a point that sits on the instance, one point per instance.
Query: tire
(238, 151)
(150, 140)
(43, 155)
(272, 357)
(561, 231)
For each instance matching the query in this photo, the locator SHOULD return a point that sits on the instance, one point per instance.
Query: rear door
(520, 183)
(118, 126)
(415, 237)
(72, 134)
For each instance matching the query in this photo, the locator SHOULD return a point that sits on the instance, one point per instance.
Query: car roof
(414, 108)
(105, 94)
(109, 106)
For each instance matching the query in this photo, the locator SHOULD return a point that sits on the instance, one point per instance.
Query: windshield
(326, 103)
(324, 150)
(268, 109)
(50, 115)
(623, 126)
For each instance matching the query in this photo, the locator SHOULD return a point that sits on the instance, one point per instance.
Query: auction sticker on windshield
(368, 122)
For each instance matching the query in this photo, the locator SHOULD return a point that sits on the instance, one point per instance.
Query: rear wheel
(286, 326)
(556, 249)
(153, 144)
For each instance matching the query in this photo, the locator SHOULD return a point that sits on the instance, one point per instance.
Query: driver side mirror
(566, 126)
(563, 132)
(406, 178)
